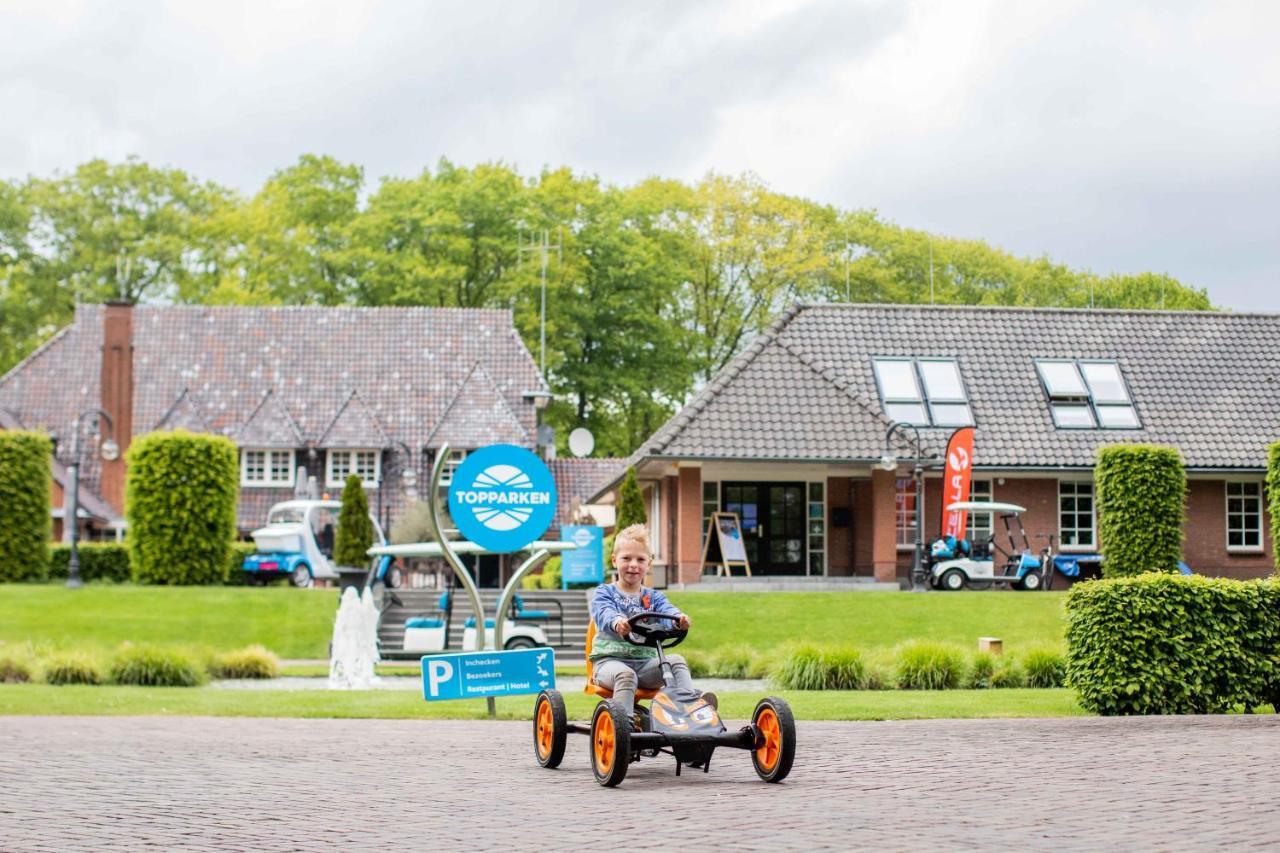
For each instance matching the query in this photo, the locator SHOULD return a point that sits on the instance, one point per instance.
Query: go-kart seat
(593, 689)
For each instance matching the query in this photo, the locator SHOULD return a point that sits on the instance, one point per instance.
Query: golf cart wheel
(519, 643)
(777, 739)
(952, 580)
(301, 577)
(610, 743)
(1031, 581)
(394, 577)
(550, 728)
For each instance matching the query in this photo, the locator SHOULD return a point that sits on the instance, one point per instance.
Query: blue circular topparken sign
(502, 497)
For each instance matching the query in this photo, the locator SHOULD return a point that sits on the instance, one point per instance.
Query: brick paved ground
(1168, 783)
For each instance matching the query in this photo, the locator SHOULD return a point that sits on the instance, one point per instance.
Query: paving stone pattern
(239, 784)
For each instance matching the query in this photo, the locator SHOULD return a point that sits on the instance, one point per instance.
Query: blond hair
(638, 533)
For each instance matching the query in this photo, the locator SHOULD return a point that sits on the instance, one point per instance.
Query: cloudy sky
(1115, 136)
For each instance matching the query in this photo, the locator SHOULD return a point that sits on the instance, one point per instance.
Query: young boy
(617, 664)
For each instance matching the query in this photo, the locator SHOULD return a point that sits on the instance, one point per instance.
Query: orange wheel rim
(545, 727)
(604, 743)
(769, 751)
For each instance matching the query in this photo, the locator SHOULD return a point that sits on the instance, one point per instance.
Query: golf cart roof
(461, 546)
(984, 506)
(304, 505)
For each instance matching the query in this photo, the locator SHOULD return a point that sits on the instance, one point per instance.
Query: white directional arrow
(542, 684)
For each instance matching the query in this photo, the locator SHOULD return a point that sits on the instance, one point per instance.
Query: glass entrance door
(773, 524)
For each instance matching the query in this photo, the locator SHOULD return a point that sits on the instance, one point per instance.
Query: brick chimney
(117, 393)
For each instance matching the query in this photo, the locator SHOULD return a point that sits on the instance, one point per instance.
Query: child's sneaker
(711, 699)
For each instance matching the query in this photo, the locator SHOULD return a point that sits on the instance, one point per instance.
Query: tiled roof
(581, 479)
(354, 426)
(478, 415)
(270, 425)
(185, 413)
(1207, 383)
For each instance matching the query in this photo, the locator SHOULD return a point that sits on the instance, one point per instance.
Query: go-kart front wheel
(610, 743)
(776, 748)
(550, 727)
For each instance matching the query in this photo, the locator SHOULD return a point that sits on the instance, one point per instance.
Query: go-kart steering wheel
(646, 630)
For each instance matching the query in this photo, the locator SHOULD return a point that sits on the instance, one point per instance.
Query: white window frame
(1093, 517)
(333, 480)
(809, 535)
(1226, 507)
(990, 526)
(909, 516)
(929, 405)
(268, 463)
(456, 457)
(1083, 399)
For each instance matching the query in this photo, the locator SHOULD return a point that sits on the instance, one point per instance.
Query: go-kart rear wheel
(610, 743)
(777, 727)
(550, 727)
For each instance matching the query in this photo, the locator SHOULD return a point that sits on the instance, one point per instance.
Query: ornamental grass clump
(923, 665)
(809, 667)
(982, 669)
(1045, 668)
(149, 666)
(15, 668)
(72, 668)
(250, 662)
(1009, 674)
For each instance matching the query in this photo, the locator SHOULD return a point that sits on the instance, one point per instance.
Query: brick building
(791, 435)
(304, 392)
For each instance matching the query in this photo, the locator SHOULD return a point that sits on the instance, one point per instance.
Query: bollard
(995, 645)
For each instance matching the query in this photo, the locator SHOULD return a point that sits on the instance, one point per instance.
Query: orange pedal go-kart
(679, 722)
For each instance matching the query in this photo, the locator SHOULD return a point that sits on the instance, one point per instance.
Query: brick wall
(1205, 546)
(860, 496)
(840, 560)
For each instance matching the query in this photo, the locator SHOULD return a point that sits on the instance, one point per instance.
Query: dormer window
(923, 391)
(1087, 394)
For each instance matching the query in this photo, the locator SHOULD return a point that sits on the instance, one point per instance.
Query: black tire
(1031, 581)
(301, 576)
(610, 743)
(393, 577)
(776, 726)
(550, 728)
(952, 580)
(519, 643)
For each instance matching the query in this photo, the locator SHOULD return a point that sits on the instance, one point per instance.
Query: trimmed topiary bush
(1045, 668)
(355, 529)
(1166, 644)
(72, 668)
(923, 665)
(1141, 501)
(99, 561)
(809, 667)
(630, 502)
(150, 666)
(26, 470)
(180, 501)
(251, 662)
(1273, 496)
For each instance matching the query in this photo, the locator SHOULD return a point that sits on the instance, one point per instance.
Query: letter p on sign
(438, 672)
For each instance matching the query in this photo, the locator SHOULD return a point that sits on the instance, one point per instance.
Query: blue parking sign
(479, 675)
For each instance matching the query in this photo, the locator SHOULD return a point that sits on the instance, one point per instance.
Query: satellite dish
(581, 442)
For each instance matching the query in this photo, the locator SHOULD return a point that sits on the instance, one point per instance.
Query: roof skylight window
(924, 392)
(1087, 394)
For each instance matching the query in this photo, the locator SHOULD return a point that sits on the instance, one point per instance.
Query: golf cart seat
(593, 689)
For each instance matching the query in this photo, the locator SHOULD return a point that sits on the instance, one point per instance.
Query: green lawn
(298, 623)
(39, 699)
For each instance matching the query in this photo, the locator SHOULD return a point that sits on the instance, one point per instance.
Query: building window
(980, 527)
(817, 522)
(905, 503)
(450, 465)
(1075, 514)
(1244, 516)
(1087, 394)
(365, 464)
(266, 468)
(923, 391)
(710, 504)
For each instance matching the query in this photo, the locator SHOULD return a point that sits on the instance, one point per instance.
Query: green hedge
(1273, 497)
(1165, 644)
(99, 561)
(181, 504)
(355, 529)
(1141, 505)
(26, 470)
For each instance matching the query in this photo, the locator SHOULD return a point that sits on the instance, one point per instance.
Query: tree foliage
(180, 501)
(26, 460)
(630, 502)
(355, 529)
(650, 288)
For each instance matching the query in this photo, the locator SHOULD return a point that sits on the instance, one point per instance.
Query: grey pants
(622, 676)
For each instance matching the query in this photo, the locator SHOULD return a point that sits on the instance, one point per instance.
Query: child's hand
(683, 622)
(622, 627)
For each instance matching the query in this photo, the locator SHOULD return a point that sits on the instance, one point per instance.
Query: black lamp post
(110, 451)
(890, 463)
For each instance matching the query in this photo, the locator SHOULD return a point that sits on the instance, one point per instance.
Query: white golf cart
(954, 564)
(297, 543)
